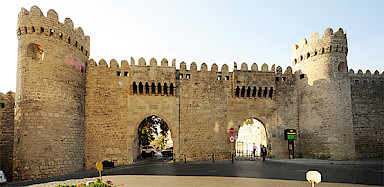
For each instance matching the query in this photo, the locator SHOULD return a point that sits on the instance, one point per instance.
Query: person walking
(263, 152)
(254, 150)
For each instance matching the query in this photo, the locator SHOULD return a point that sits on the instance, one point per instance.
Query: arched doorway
(153, 139)
(252, 133)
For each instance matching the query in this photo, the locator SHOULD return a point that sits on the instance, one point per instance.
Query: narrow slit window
(265, 92)
(243, 91)
(141, 88)
(315, 52)
(76, 44)
(249, 91)
(271, 92)
(41, 30)
(61, 35)
(259, 92)
(134, 87)
(146, 88)
(159, 88)
(171, 87)
(165, 89)
(33, 29)
(51, 32)
(153, 88)
(254, 92)
(26, 30)
(237, 93)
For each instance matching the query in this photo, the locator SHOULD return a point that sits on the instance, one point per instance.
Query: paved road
(332, 171)
(272, 170)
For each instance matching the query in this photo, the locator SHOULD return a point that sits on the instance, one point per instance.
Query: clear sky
(210, 31)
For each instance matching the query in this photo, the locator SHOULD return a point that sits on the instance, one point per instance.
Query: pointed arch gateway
(133, 126)
(152, 132)
(252, 134)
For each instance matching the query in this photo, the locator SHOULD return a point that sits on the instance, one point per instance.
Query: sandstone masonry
(71, 112)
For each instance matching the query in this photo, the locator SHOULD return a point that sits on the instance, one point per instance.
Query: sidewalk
(314, 161)
(156, 180)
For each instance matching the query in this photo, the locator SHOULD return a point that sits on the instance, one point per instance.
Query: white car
(148, 150)
(2, 177)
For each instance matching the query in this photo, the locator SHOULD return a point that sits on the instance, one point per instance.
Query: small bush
(97, 183)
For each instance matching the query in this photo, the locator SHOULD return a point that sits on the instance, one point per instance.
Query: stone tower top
(34, 21)
(331, 42)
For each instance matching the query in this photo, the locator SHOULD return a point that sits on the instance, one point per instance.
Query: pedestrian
(254, 150)
(263, 152)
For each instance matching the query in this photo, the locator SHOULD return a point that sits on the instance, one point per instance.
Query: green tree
(148, 128)
(160, 142)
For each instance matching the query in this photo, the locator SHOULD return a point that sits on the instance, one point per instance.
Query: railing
(245, 154)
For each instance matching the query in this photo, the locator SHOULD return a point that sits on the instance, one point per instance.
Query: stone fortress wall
(70, 115)
(7, 117)
(367, 94)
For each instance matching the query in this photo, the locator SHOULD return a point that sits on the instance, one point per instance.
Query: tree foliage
(151, 126)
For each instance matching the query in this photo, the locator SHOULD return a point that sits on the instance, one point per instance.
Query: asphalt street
(353, 172)
(336, 172)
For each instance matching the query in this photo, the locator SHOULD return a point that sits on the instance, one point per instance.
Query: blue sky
(210, 31)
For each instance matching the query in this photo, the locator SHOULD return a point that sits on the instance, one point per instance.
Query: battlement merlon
(183, 66)
(34, 22)
(331, 42)
(366, 73)
(8, 95)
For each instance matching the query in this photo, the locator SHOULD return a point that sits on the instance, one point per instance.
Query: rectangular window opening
(188, 76)
(118, 73)
(284, 78)
(226, 78)
(181, 76)
(2, 105)
(302, 76)
(277, 79)
(126, 74)
(219, 77)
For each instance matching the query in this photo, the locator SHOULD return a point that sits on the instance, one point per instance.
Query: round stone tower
(49, 103)
(324, 97)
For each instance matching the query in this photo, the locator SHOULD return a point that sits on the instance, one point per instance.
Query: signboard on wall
(290, 134)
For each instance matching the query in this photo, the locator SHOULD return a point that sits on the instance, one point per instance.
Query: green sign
(291, 136)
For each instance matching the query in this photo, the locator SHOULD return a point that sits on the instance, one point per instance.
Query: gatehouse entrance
(252, 135)
(153, 140)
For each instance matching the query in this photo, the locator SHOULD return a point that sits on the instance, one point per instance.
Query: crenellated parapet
(34, 22)
(124, 63)
(366, 77)
(331, 42)
(366, 73)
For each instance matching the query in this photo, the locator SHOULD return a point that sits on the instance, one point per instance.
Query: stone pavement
(156, 180)
(273, 172)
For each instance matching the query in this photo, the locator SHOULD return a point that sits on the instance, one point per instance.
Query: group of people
(263, 151)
